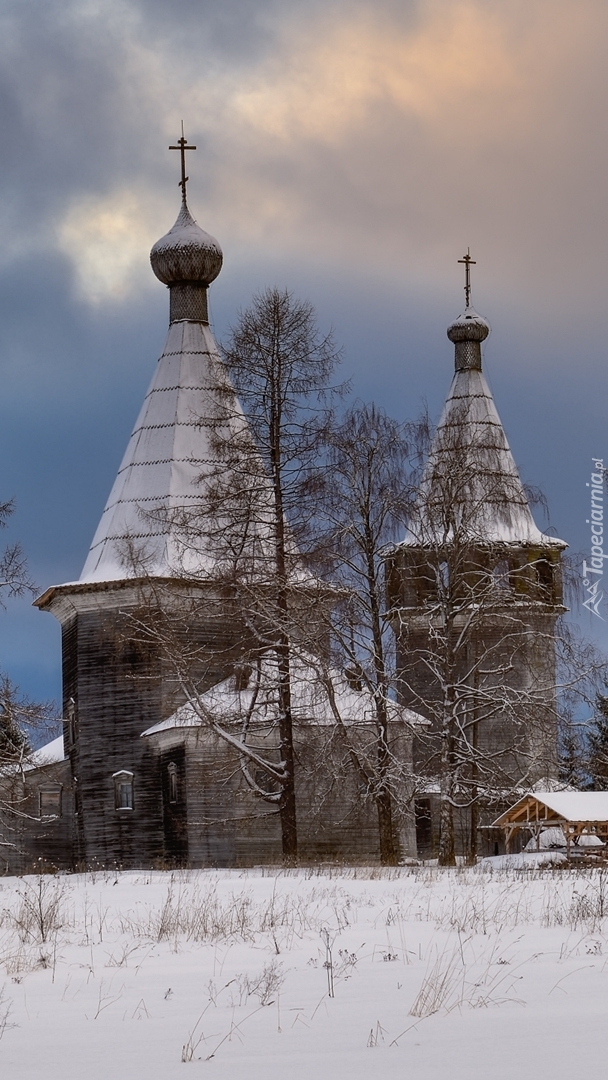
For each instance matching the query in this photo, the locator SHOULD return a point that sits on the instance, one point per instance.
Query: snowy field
(497, 972)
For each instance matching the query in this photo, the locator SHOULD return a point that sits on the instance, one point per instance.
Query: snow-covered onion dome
(187, 260)
(467, 333)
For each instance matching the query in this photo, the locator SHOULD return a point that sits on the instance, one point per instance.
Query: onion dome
(186, 253)
(467, 333)
(468, 327)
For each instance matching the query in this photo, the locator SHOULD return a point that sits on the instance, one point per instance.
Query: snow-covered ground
(498, 972)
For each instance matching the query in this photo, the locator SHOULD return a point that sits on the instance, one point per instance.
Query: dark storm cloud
(349, 150)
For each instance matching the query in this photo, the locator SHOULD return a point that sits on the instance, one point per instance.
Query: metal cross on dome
(182, 146)
(468, 262)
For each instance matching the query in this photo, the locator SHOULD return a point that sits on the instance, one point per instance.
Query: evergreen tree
(598, 745)
(572, 750)
(14, 743)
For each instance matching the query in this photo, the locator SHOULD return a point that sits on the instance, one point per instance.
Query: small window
(123, 790)
(500, 575)
(172, 775)
(50, 802)
(544, 571)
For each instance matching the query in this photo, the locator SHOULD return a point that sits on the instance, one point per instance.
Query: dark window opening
(173, 782)
(426, 583)
(266, 782)
(242, 676)
(354, 677)
(544, 571)
(424, 827)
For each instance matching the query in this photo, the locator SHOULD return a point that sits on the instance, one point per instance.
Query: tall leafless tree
(365, 495)
(15, 711)
(268, 412)
(280, 366)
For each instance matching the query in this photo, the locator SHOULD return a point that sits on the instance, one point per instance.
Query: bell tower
(474, 593)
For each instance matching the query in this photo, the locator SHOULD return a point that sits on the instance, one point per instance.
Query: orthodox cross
(468, 262)
(182, 146)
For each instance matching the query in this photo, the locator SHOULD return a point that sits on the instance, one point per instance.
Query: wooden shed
(578, 813)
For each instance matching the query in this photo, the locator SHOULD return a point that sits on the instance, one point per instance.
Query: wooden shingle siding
(115, 688)
(228, 824)
(29, 841)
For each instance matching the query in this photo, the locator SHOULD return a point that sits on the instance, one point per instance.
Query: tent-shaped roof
(190, 416)
(170, 450)
(471, 482)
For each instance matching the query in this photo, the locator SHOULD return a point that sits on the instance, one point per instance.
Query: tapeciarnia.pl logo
(593, 571)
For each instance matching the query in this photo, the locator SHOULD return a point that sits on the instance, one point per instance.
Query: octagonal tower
(474, 593)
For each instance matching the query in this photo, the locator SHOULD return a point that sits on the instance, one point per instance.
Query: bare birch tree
(365, 496)
(280, 366)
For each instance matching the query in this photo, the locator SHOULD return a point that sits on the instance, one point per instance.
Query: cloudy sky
(349, 150)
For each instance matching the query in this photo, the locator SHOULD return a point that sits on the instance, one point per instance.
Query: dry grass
(466, 955)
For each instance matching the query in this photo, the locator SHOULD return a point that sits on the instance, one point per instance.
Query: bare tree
(365, 495)
(22, 721)
(280, 367)
(17, 713)
(15, 579)
(14, 743)
(475, 597)
(267, 413)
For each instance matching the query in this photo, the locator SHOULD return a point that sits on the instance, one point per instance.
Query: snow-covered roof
(169, 449)
(471, 467)
(572, 806)
(146, 527)
(310, 701)
(49, 754)
(576, 805)
(186, 252)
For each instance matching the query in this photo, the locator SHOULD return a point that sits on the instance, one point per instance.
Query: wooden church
(474, 595)
(138, 780)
